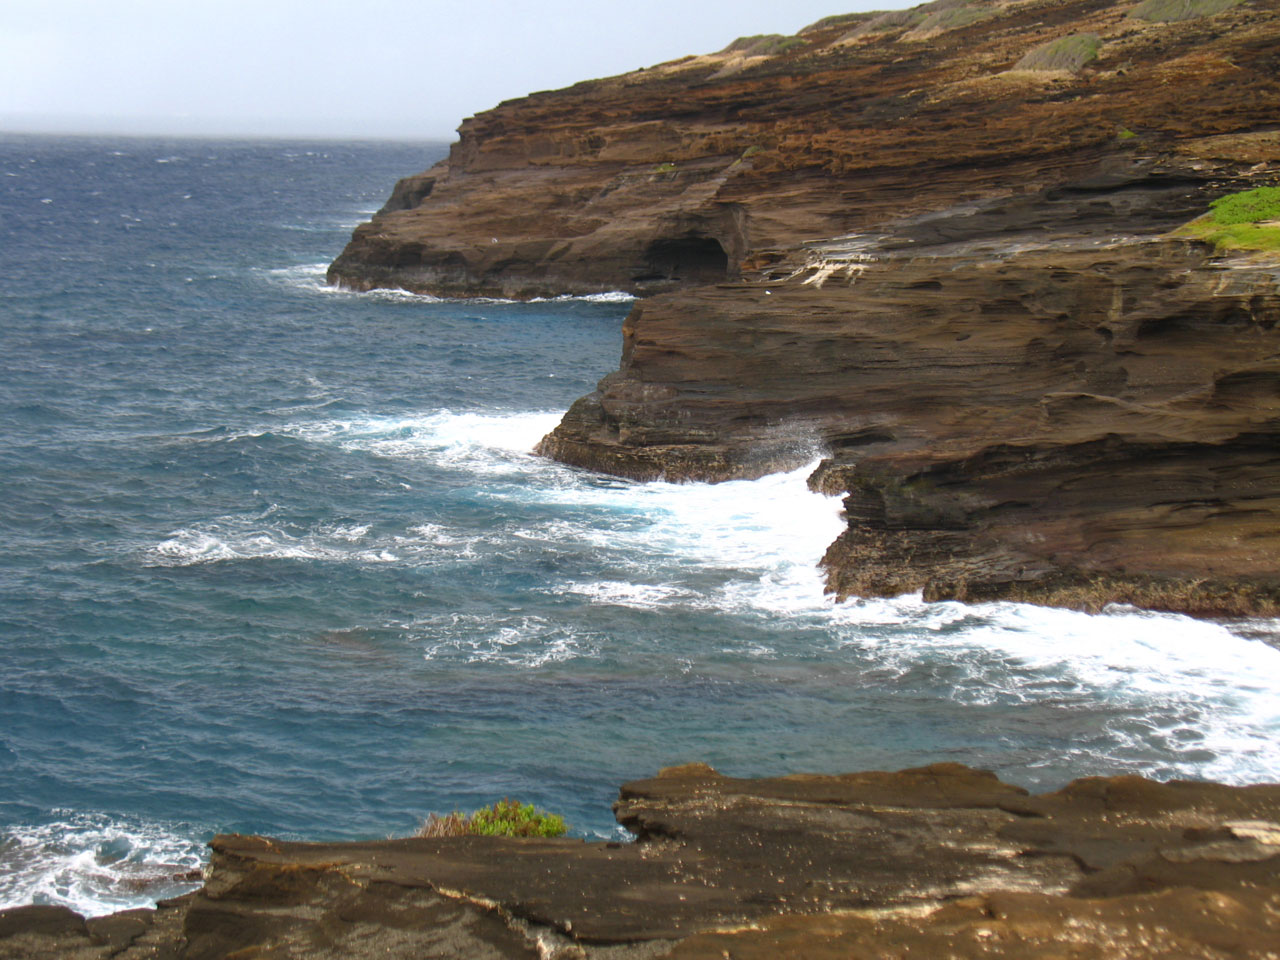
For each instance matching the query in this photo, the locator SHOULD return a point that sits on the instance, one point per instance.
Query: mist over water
(278, 559)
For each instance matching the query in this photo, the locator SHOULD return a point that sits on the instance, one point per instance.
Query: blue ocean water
(276, 558)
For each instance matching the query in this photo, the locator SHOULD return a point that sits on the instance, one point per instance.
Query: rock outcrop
(935, 246)
(936, 861)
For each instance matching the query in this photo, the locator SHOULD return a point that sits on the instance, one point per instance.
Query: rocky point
(936, 247)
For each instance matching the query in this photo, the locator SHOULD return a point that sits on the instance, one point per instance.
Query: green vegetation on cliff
(506, 818)
(954, 17)
(1066, 53)
(1249, 220)
(1170, 11)
(763, 45)
(838, 20)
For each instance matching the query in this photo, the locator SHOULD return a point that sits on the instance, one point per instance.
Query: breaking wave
(96, 864)
(311, 278)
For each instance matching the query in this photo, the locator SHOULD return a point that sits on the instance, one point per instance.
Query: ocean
(277, 559)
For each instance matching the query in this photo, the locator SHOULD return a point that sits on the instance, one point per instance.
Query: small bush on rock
(1251, 206)
(1249, 220)
(506, 818)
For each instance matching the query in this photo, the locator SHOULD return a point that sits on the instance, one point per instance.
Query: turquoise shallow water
(277, 558)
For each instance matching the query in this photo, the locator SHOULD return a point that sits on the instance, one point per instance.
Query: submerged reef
(948, 247)
(936, 861)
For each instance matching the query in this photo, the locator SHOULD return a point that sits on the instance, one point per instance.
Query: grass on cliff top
(938, 15)
(838, 20)
(953, 18)
(1171, 11)
(891, 20)
(763, 45)
(1066, 53)
(506, 818)
(1249, 220)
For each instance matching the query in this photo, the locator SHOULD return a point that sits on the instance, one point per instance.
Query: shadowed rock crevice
(692, 258)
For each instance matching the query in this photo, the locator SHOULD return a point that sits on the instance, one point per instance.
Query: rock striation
(935, 247)
(936, 861)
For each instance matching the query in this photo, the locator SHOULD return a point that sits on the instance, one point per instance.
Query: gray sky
(379, 68)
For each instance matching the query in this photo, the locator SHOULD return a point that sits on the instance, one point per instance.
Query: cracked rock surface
(939, 860)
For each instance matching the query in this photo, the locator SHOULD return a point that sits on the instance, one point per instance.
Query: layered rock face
(936, 861)
(933, 247)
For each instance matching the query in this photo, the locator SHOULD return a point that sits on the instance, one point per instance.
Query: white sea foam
(521, 641)
(312, 278)
(96, 864)
(643, 596)
(611, 296)
(1192, 698)
(1202, 698)
(482, 443)
(239, 538)
(766, 535)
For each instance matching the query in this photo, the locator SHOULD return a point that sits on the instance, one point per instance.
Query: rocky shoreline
(936, 861)
(934, 248)
(938, 248)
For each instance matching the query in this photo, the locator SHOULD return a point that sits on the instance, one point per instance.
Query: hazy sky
(322, 67)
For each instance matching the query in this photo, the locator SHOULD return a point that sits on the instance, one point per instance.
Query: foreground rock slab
(936, 861)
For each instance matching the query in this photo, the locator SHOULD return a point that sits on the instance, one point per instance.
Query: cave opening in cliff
(699, 259)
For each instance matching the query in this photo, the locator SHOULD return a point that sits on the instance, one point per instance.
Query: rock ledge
(936, 861)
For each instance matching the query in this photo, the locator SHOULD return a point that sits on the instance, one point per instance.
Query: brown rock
(938, 860)
(883, 242)
(1018, 926)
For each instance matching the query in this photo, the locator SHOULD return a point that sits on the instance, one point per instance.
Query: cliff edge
(945, 249)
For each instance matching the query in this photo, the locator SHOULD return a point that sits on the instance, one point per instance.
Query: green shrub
(506, 818)
(1065, 53)
(1250, 206)
(665, 168)
(1240, 221)
(1124, 133)
(1170, 11)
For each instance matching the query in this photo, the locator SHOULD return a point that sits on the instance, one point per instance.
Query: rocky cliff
(936, 861)
(936, 246)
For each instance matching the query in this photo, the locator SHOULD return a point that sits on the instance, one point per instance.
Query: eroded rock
(939, 859)
(887, 244)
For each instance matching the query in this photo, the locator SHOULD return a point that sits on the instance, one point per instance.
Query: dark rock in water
(936, 861)
(887, 241)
